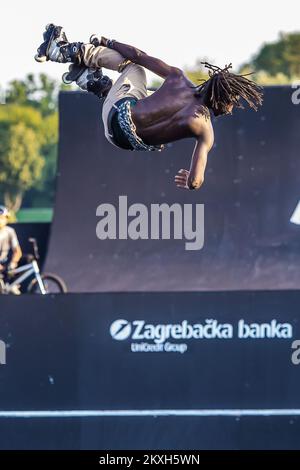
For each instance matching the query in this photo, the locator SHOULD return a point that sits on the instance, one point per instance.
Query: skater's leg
(139, 57)
(97, 57)
(116, 53)
(57, 48)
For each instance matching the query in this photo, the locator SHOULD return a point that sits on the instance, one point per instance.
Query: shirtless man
(132, 119)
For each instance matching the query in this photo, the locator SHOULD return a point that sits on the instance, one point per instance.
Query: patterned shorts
(128, 127)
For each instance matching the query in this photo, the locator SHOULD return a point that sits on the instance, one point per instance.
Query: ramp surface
(251, 190)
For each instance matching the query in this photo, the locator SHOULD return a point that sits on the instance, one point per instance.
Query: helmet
(4, 211)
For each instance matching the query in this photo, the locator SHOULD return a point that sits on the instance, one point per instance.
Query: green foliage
(36, 92)
(278, 62)
(263, 78)
(275, 63)
(198, 73)
(13, 114)
(28, 153)
(31, 149)
(20, 162)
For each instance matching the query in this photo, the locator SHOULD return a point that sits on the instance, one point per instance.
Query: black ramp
(251, 190)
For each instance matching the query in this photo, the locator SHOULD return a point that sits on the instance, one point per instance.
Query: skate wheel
(65, 78)
(40, 58)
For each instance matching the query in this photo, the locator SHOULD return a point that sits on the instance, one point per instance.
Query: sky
(177, 32)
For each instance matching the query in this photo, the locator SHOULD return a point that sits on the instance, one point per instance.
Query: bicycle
(40, 284)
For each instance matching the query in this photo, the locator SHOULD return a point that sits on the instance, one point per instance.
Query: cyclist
(10, 250)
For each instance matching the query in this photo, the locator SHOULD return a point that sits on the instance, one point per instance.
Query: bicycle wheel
(53, 285)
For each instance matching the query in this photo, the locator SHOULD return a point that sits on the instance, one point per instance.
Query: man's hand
(98, 40)
(181, 179)
(184, 180)
(103, 41)
(1, 268)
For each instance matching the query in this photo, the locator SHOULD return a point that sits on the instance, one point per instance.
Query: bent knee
(135, 72)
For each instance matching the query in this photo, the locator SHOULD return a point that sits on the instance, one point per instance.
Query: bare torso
(173, 112)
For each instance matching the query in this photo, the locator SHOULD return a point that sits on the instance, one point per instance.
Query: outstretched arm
(139, 57)
(194, 178)
(16, 256)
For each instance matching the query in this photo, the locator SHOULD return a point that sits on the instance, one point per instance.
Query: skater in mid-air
(135, 120)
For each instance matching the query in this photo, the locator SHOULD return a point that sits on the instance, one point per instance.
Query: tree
(33, 101)
(20, 162)
(13, 114)
(198, 73)
(39, 92)
(279, 58)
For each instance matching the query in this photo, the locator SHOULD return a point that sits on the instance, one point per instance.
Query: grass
(35, 215)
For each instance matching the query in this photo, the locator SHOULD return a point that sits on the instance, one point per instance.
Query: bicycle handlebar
(35, 247)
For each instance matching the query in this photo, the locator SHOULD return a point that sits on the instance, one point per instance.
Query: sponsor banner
(150, 338)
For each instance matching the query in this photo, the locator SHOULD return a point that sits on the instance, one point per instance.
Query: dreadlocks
(224, 88)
